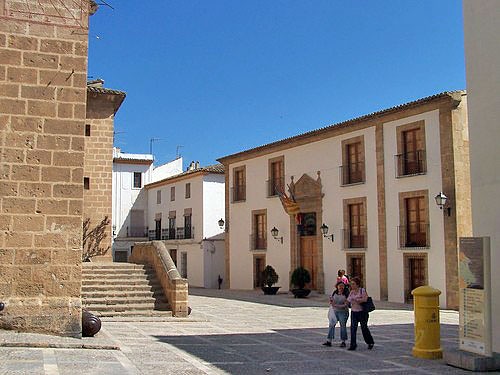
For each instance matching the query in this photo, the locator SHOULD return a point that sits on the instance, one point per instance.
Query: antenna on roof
(177, 153)
(115, 133)
(151, 140)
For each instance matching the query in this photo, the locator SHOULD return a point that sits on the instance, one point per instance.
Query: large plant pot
(270, 289)
(301, 293)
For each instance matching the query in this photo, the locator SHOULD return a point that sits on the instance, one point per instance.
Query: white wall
(325, 156)
(205, 257)
(430, 181)
(125, 196)
(482, 52)
(167, 170)
(195, 202)
(213, 204)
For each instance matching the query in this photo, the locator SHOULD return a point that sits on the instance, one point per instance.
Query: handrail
(155, 254)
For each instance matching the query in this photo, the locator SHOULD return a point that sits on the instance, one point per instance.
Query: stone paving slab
(232, 332)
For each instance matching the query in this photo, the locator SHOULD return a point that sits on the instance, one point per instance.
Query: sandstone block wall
(98, 167)
(43, 71)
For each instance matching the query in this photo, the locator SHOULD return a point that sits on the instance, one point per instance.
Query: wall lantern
(441, 201)
(221, 223)
(324, 231)
(274, 233)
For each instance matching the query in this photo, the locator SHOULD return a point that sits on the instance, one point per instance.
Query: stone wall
(155, 254)
(43, 72)
(102, 105)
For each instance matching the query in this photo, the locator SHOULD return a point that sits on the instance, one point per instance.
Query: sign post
(475, 295)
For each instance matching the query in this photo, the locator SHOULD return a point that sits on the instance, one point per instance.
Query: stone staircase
(122, 289)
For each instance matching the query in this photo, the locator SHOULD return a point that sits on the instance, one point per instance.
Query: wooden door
(309, 258)
(259, 265)
(158, 230)
(354, 155)
(416, 228)
(356, 268)
(412, 146)
(416, 275)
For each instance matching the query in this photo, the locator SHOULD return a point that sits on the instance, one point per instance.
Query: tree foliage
(93, 237)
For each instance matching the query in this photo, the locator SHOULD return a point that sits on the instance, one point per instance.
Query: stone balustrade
(155, 254)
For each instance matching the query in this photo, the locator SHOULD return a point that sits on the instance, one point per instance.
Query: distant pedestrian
(357, 296)
(339, 312)
(342, 277)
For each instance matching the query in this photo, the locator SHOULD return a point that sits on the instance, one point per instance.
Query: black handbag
(368, 306)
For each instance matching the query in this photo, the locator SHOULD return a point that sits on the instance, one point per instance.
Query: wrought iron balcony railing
(414, 236)
(238, 193)
(275, 186)
(257, 243)
(354, 239)
(410, 163)
(353, 173)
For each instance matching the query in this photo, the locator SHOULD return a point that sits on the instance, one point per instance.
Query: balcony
(257, 243)
(275, 186)
(353, 173)
(410, 164)
(238, 193)
(354, 239)
(181, 233)
(414, 236)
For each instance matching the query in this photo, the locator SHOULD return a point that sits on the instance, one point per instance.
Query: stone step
(128, 294)
(122, 289)
(119, 300)
(126, 267)
(100, 308)
(143, 287)
(114, 276)
(133, 313)
(121, 282)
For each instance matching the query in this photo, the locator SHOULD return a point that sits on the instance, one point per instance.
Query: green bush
(269, 276)
(300, 277)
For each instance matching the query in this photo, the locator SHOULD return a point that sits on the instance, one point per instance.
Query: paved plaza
(231, 332)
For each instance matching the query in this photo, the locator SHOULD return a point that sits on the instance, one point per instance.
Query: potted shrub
(269, 278)
(300, 277)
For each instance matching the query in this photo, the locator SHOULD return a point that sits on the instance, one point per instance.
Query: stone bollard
(427, 328)
(91, 324)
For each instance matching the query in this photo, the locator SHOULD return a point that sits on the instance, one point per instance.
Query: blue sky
(220, 76)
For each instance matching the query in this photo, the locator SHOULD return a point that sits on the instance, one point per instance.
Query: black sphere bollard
(2, 306)
(91, 324)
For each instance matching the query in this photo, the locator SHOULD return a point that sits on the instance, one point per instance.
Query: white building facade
(184, 211)
(129, 218)
(482, 57)
(372, 182)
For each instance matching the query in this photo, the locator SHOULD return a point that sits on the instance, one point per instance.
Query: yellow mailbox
(427, 334)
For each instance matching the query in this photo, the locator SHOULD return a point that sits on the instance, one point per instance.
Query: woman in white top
(338, 301)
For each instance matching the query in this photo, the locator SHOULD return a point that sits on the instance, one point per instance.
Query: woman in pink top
(357, 296)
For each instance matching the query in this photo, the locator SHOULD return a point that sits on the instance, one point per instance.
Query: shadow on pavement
(286, 351)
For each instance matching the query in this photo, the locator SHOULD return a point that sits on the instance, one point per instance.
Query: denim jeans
(342, 317)
(360, 317)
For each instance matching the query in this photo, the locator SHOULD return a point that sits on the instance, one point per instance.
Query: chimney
(197, 165)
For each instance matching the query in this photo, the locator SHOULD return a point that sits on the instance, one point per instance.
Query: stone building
(43, 87)
(102, 105)
(370, 182)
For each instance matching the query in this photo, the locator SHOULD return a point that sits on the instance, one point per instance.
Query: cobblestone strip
(50, 362)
